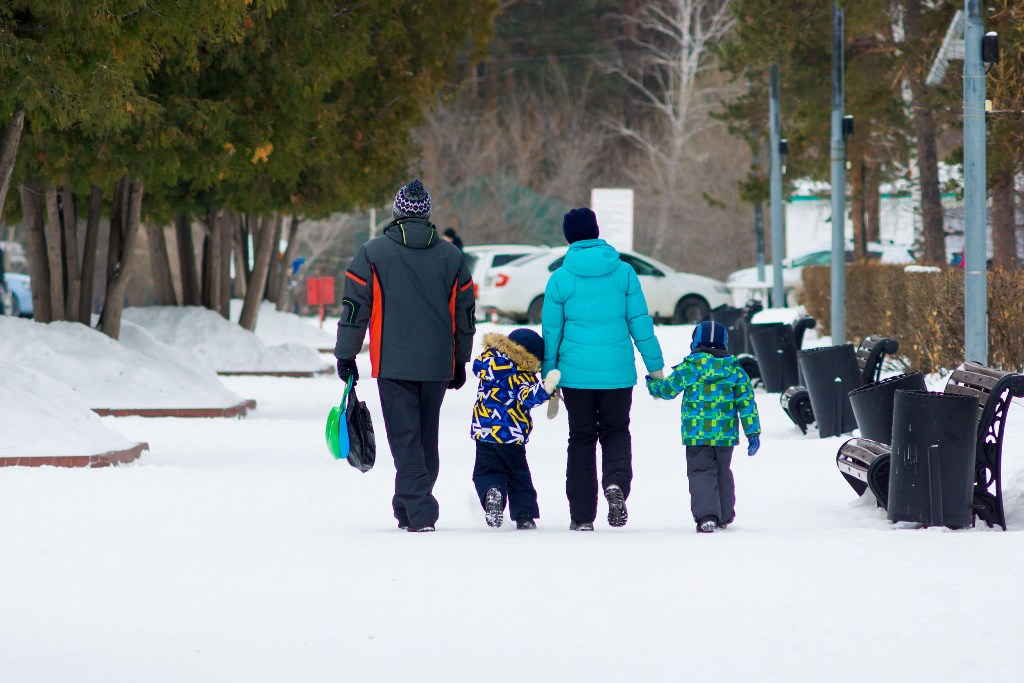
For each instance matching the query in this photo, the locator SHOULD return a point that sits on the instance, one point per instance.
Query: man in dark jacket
(414, 292)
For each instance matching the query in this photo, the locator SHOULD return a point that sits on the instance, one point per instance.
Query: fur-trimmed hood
(523, 359)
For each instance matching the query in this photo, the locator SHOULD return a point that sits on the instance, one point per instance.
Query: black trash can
(775, 351)
(872, 404)
(737, 322)
(831, 373)
(732, 318)
(931, 474)
(800, 326)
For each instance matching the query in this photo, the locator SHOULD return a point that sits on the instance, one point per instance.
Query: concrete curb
(99, 460)
(237, 410)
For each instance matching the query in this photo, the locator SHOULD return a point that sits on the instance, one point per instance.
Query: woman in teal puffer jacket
(594, 313)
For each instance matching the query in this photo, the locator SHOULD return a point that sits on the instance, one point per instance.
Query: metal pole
(975, 249)
(373, 222)
(759, 237)
(778, 293)
(838, 182)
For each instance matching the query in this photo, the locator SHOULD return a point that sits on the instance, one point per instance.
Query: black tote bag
(362, 443)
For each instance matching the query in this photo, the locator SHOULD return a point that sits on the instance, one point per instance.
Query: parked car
(517, 290)
(745, 284)
(484, 258)
(19, 289)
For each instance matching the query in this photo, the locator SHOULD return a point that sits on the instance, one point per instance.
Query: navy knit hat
(710, 334)
(579, 224)
(413, 200)
(529, 340)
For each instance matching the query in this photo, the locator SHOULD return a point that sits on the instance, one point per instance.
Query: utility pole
(975, 191)
(778, 292)
(838, 181)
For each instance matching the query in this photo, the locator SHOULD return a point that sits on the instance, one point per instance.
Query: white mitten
(657, 374)
(553, 405)
(551, 381)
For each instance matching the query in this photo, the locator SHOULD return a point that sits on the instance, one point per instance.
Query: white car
(517, 290)
(745, 284)
(483, 258)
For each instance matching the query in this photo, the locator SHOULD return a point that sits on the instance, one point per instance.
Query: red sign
(320, 291)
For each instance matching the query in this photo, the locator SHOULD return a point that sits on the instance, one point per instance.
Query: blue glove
(753, 444)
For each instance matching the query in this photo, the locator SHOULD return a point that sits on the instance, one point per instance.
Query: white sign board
(614, 210)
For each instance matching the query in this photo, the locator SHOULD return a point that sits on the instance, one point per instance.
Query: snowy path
(237, 550)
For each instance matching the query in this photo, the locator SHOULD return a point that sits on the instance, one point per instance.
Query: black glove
(347, 368)
(459, 379)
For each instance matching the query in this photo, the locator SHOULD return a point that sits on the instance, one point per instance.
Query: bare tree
(677, 86)
(494, 170)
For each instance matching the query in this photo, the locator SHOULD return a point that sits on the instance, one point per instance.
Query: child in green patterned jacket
(717, 397)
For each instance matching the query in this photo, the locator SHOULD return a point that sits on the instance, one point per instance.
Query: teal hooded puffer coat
(594, 312)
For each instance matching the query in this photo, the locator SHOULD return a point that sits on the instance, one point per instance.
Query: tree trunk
(54, 254)
(860, 247)
(265, 248)
(224, 268)
(72, 271)
(10, 139)
(240, 244)
(110, 318)
(92, 234)
(212, 261)
(187, 260)
(160, 261)
(32, 219)
(927, 155)
(283, 293)
(116, 237)
(1004, 222)
(873, 212)
(274, 274)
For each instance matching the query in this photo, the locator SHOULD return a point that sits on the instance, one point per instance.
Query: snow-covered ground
(42, 417)
(274, 327)
(222, 345)
(238, 550)
(135, 372)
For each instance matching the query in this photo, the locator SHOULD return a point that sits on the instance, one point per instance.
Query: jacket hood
(415, 233)
(523, 359)
(709, 366)
(591, 258)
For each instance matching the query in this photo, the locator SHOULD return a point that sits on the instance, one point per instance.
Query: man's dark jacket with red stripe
(413, 290)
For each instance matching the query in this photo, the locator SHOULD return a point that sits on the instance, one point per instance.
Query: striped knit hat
(710, 334)
(412, 200)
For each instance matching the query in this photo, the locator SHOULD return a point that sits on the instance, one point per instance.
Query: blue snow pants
(504, 465)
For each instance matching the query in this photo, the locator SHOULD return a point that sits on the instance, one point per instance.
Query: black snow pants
(597, 415)
(504, 466)
(712, 488)
(412, 411)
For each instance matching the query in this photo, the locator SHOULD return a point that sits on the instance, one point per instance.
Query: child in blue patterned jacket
(509, 388)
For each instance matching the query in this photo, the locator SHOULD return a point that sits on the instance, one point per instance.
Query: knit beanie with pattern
(413, 200)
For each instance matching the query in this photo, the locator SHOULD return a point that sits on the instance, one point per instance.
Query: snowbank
(137, 372)
(219, 344)
(274, 327)
(43, 417)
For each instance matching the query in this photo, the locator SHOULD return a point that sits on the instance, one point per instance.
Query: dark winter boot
(617, 514)
(581, 526)
(723, 525)
(420, 529)
(707, 525)
(526, 523)
(494, 506)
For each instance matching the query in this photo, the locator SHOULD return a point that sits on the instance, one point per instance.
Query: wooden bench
(865, 463)
(796, 401)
